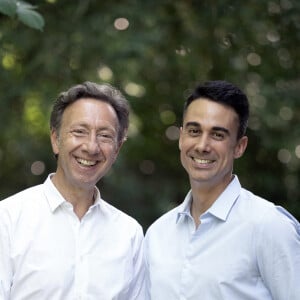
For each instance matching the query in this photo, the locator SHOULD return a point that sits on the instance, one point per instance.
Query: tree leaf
(8, 7)
(28, 16)
(26, 5)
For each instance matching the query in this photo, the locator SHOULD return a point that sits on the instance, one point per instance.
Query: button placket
(79, 274)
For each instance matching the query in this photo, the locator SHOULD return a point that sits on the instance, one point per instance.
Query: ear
(240, 147)
(118, 148)
(180, 138)
(54, 141)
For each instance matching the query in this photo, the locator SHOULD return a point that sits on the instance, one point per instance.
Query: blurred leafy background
(155, 52)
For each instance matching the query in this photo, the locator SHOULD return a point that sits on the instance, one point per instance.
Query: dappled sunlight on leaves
(35, 120)
(155, 52)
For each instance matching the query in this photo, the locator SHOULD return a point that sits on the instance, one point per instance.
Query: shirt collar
(97, 197)
(55, 199)
(53, 196)
(183, 210)
(220, 208)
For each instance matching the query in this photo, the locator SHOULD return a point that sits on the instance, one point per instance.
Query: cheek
(228, 155)
(111, 152)
(183, 158)
(186, 146)
(184, 143)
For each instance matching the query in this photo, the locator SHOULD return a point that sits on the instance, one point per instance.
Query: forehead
(91, 111)
(204, 111)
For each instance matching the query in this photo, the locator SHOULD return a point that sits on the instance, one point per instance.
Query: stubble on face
(208, 143)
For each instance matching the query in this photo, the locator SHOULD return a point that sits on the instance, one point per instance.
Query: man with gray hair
(60, 239)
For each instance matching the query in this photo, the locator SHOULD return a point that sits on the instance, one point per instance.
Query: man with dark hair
(61, 240)
(222, 242)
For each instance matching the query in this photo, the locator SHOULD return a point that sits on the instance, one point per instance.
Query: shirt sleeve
(5, 264)
(278, 254)
(147, 272)
(137, 291)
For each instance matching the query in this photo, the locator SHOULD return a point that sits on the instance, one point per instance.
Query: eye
(105, 137)
(79, 132)
(218, 135)
(193, 131)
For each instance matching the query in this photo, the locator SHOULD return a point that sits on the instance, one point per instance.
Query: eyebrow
(225, 130)
(87, 126)
(215, 128)
(195, 124)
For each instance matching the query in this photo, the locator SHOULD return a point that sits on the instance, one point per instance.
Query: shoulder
(279, 224)
(22, 198)
(254, 207)
(164, 222)
(119, 217)
(254, 200)
(19, 206)
(268, 217)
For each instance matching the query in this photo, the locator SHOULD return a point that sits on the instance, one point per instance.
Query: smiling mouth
(203, 161)
(86, 163)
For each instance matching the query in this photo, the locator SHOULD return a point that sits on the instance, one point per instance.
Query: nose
(92, 145)
(203, 144)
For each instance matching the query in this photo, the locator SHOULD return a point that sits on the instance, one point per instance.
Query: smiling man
(222, 242)
(60, 240)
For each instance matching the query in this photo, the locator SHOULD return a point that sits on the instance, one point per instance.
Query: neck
(81, 199)
(202, 201)
(204, 197)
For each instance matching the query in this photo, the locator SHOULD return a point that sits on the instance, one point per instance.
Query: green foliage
(24, 12)
(155, 55)
(8, 7)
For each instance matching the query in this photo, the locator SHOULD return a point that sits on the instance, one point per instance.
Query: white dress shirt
(47, 253)
(244, 249)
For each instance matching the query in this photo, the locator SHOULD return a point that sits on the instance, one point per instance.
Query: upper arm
(278, 254)
(138, 283)
(6, 272)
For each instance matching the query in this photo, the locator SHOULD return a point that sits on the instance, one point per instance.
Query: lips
(202, 161)
(86, 163)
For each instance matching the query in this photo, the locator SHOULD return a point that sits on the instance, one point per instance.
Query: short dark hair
(225, 93)
(103, 92)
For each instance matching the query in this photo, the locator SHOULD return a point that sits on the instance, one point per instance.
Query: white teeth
(203, 161)
(86, 162)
